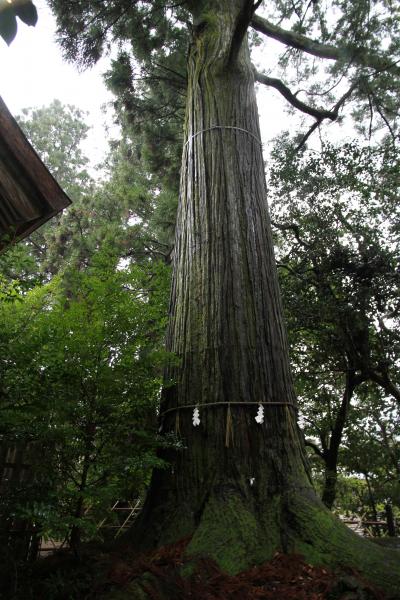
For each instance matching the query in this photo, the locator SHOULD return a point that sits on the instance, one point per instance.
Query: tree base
(236, 533)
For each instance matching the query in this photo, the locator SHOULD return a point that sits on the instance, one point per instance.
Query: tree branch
(384, 381)
(295, 40)
(316, 449)
(242, 26)
(328, 51)
(291, 227)
(334, 111)
(383, 117)
(304, 139)
(318, 113)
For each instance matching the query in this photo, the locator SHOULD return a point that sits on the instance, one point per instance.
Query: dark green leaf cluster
(25, 10)
(80, 372)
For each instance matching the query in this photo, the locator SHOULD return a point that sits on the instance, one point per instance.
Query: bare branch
(345, 97)
(318, 122)
(383, 117)
(304, 139)
(371, 116)
(318, 113)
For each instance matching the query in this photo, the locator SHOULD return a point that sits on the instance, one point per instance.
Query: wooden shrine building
(29, 194)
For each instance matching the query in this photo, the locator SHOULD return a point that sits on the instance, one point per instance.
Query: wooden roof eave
(29, 194)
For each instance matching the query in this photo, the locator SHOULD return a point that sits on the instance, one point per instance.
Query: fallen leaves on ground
(285, 577)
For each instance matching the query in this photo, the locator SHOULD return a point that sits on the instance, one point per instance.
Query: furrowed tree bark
(238, 489)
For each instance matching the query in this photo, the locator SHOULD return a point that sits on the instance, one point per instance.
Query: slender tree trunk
(331, 454)
(239, 489)
(391, 524)
(75, 537)
(372, 503)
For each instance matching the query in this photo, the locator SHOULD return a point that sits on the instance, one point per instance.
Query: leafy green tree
(238, 500)
(57, 132)
(57, 401)
(372, 450)
(125, 208)
(335, 213)
(80, 378)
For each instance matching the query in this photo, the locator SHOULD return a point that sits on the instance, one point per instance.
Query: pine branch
(328, 51)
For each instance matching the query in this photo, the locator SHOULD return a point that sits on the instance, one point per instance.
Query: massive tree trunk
(239, 489)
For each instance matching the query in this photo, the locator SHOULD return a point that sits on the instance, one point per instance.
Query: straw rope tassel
(229, 428)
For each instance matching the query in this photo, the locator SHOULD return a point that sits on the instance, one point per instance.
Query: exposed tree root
(236, 531)
(163, 575)
(323, 560)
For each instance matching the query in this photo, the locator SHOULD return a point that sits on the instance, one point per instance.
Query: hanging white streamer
(196, 417)
(260, 414)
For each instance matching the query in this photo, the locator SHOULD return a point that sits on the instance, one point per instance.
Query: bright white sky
(33, 73)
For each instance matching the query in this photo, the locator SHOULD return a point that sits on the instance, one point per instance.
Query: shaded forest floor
(166, 574)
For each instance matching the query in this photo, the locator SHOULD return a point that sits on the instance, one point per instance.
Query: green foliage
(335, 215)
(127, 209)
(80, 378)
(9, 291)
(83, 306)
(372, 449)
(150, 90)
(25, 10)
(56, 132)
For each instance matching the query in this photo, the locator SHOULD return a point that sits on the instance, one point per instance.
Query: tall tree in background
(57, 133)
(240, 488)
(124, 207)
